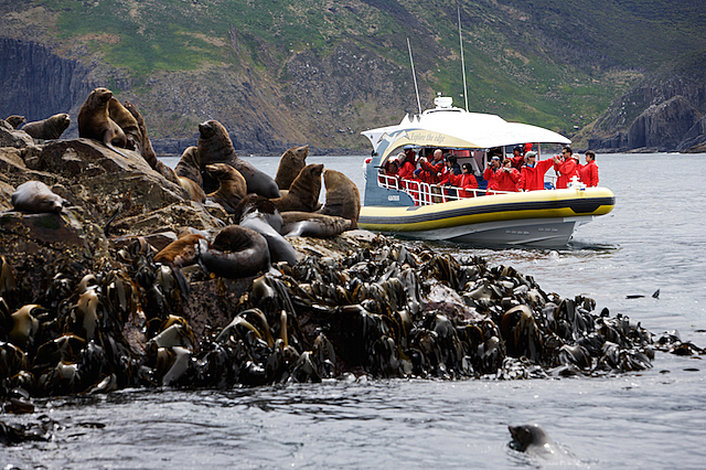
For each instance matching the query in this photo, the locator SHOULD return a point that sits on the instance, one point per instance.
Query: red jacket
(566, 170)
(589, 174)
(407, 170)
(507, 180)
(464, 181)
(532, 178)
(489, 176)
(433, 170)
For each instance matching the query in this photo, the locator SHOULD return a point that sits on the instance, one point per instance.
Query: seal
(259, 214)
(95, 123)
(15, 120)
(290, 164)
(215, 146)
(231, 186)
(342, 197)
(127, 122)
(311, 224)
(530, 438)
(303, 195)
(49, 128)
(35, 197)
(189, 165)
(236, 252)
(181, 252)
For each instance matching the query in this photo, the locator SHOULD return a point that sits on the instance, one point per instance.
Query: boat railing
(424, 194)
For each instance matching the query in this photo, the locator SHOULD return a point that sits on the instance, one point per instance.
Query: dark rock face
(38, 83)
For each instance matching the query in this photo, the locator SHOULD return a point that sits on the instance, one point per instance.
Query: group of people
(520, 172)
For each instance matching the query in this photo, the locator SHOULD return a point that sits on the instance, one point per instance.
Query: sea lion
(290, 164)
(530, 438)
(95, 123)
(309, 224)
(303, 195)
(342, 197)
(127, 122)
(189, 165)
(236, 252)
(49, 128)
(35, 197)
(15, 120)
(215, 146)
(181, 252)
(231, 186)
(259, 214)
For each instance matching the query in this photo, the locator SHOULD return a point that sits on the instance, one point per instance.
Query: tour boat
(413, 209)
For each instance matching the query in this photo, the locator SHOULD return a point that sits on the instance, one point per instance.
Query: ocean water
(654, 239)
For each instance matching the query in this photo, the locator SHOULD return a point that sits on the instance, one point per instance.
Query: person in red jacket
(466, 181)
(566, 167)
(532, 175)
(489, 173)
(507, 178)
(518, 158)
(433, 168)
(408, 166)
(589, 171)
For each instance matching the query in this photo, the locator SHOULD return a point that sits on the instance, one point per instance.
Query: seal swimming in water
(215, 146)
(35, 197)
(290, 164)
(311, 224)
(236, 252)
(15, 120)
(530, 438)
(231, 186)
(49, 128)
(303, 195)
(95, 123)
(342, 197)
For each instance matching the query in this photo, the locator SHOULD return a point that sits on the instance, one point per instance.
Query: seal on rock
(231, 185)
(258, 213)
(49, 128)
(311, 224)
(290, 164)
(342, 197)
(181, 252)
(189, 165)
(15, 120)
(127, 122)
(236, 252)
(303, 195)
(95, 123)
(215, 146)
(35, 197)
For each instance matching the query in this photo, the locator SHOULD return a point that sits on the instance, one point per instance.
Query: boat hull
(537, 218)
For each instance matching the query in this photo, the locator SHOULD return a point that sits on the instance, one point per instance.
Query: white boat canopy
(451, 127)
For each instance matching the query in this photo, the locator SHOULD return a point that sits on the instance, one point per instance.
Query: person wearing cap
(517, 157)
(533, 171)
(489, 173)
(566, 167)
(507, 178)
(589, 172)
(408, 165)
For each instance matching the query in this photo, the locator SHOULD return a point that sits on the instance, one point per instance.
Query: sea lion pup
(342, 197)
(311, 224)
(127, 122)
(191, 187)
(290, 164)
(231, 186)
(303, 195)
(215, 146)
(35, 197)
(236, 252)
(49, 128)
(15, 120)
(181, 252)
(260, 214)
(95, 123)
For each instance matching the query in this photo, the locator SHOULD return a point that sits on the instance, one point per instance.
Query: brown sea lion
(290, 164)
(49, 128)
(308, 224)
(231, 185)
(95, 123)
(303, 195)
(127, 122)
(35, 197)
(181, 252)
(236, 252)
(15, 120)
(342, 197)
(189, 165)
(215, 146)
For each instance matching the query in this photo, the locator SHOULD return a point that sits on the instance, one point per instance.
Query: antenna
(463, 65)
(414, 76)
